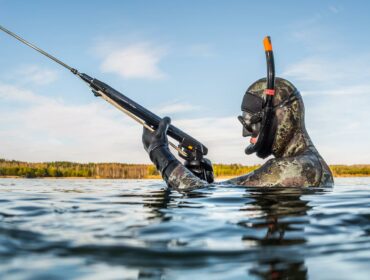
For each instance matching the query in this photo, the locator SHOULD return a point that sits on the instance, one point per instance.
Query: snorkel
(262, 143)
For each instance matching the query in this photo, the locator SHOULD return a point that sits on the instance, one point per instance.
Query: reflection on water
(283, 221)
(118, 229)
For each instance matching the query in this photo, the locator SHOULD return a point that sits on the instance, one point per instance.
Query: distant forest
(134, 171)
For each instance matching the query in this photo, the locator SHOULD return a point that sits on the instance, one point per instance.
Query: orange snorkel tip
(267, 43)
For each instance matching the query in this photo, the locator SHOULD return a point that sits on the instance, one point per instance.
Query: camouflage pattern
(296, 161)
(182, 179)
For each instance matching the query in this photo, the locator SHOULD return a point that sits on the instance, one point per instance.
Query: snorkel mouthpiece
(253, 140)
(250, 149)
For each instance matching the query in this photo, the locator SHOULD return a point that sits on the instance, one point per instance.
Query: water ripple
(132, 229)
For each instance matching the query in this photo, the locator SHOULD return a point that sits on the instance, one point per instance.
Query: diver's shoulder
(311, 166)
(304, 169)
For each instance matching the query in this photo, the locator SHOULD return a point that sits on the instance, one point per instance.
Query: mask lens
(247, 130)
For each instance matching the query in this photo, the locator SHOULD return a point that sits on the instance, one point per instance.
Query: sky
(190, 60)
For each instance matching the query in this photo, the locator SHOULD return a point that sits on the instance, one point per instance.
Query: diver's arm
(175, 174)
(182, 179)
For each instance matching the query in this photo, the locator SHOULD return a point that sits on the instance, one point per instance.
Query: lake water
(135, 229)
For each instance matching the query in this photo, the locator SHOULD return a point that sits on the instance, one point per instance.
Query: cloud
(339, 126)
(312, 69)
(335, 72)
(139, 61)
(37, 75)
(177, 107)
(314, 35)
(360, 89)
(49, 130)
(13, 93)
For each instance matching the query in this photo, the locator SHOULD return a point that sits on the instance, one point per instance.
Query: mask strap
(286, 102)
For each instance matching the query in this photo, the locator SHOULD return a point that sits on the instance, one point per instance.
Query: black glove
(201, 168)
(156, 145)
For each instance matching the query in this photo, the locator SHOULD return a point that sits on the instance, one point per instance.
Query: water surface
(136, 229)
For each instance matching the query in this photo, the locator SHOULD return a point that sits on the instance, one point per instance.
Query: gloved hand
(201, 168)
(157, 138)
(156, 145)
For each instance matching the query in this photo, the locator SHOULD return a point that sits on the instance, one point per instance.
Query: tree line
(350, 170)
(72, 169)
(134, 171)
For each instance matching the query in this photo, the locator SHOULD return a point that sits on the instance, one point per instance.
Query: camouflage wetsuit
(296, 161)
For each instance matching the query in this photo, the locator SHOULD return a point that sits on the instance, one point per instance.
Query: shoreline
(72, 170)
(151, 178)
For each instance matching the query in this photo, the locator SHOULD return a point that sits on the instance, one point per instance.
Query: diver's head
(271, 126)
